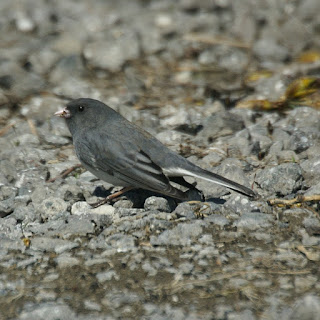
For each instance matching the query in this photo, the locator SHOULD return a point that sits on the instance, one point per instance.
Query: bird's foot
(200, 208)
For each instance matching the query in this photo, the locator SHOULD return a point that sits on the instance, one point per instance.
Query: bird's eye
(81, 108)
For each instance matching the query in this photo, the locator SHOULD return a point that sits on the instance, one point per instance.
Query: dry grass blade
(298, 199)
(32, 127)
(312, 256)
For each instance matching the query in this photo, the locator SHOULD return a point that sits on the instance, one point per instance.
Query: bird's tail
(215, 178)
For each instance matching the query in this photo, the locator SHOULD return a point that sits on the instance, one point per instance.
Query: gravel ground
(178, 69)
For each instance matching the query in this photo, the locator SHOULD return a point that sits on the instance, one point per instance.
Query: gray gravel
(176, 69)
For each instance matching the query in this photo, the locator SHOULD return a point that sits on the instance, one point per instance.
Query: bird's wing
(127, 162)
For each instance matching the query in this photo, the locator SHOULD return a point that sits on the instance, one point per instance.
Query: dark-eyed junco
(117, 151)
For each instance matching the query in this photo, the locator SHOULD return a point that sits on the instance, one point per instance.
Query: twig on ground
(65, 173)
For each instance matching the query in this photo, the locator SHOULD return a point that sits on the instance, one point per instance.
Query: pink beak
(64, 113)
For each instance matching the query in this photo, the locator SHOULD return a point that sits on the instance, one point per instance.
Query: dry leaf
(309, 56)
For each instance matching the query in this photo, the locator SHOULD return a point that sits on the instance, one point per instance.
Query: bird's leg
(200, 208)
(111, 197)
(119, 193)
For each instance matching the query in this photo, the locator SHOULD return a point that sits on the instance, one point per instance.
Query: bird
(119, 152)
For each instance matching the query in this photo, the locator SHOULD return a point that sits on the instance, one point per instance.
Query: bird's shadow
(101, 192)
(139, 196)
(136, 196)
(218, 201)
